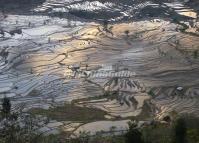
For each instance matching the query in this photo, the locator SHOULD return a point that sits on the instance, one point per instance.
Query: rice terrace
(99, 71)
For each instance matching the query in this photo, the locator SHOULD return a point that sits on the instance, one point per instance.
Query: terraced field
(47, 62)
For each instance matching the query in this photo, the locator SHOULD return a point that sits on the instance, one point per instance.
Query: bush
(133, 135)
(180, 130)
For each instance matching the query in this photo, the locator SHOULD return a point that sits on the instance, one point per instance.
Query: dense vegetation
(184, 129)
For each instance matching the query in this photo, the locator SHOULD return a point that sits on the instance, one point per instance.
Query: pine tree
(6, 106)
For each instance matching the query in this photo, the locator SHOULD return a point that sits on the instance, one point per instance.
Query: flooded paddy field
(145, 69)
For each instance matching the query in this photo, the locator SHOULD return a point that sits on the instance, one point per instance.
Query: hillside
(90, 65)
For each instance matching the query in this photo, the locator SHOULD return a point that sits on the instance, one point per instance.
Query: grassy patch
(151, 93)
(71, 112)
(195, 54)
(107, 94)
(145, 114)
(34, 92)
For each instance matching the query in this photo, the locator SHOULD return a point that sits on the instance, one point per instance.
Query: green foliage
(184, 130)
(157, 133)
(151, 93)
(195, 54)
(110, 94)
(105, 25)
(99, 137)
(193, 135)
(180, 130)
(192, 124)
(6, 106)
(133, 135)
(11, 131)
(126, 32)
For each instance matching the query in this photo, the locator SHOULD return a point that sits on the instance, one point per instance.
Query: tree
(105, 25)
(195, 54)
(6, 106)
(133, 135)
(21, 130)
(127, 33)
(180, 131)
